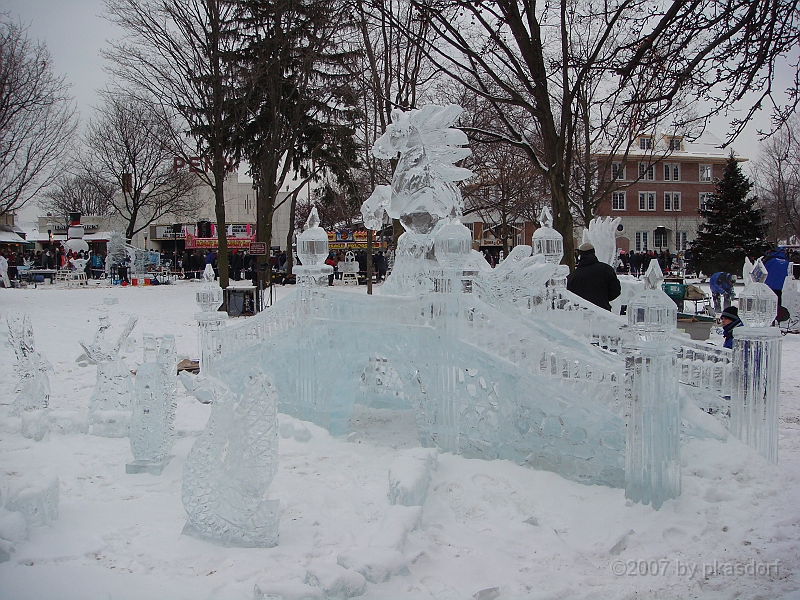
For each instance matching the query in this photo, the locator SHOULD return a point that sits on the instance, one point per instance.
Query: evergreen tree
(733, 227)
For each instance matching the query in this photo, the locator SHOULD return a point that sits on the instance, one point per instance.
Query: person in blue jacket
(722, 287)
(729, 320)
(777, 270)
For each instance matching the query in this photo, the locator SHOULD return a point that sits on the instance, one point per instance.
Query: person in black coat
(593, 280)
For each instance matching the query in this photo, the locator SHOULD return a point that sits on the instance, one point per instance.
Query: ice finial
(758, 304)
(758, 273)
(209, 296)
(313, 218)
(652, 315)
(546, 217)
(653, 278)
(312, 244)
(546, 240)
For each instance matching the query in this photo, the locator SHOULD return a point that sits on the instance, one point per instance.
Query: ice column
(756, 367)
(209, 298)
(652, 454)
(152, 423)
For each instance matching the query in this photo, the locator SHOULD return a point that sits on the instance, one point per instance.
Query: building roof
(707, 146)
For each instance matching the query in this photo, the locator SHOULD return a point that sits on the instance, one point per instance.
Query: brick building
(662, 183)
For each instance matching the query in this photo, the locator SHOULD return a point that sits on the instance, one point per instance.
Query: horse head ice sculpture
(423, 188)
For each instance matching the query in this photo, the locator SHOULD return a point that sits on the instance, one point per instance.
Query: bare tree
(392, 73)
(639, 60)
(127, 143)
(777, 176)
(181, 53)
(37, 118)
(80, 192)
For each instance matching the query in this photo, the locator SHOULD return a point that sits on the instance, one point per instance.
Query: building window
(672, 201)
(618, 201)
(705, 199)
(681, 241)
(647, 171)
(705, 173)
(675, 144)
(617, 171)
(641, 241)
(645, 143)
(647, 200)
(659, 239)
(672, 172)
(248, 203)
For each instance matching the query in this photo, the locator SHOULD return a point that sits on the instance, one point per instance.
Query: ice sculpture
(153, 418)
(548, 242)
(233, 462)
(209, 299)
(652, 454)
(110, 404)
(312, 250)
(33, 389)
(602, 234)
(495, 363)
(423, 190)
(757, 366)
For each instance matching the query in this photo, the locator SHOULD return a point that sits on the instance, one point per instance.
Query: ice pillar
(652, 455)
(209, 298)
(756, 367)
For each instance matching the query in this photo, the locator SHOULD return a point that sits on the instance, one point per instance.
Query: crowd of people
(16, 262)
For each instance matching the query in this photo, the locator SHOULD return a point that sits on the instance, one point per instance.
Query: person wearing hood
(593, 280)
(722, 288)
(729, 320)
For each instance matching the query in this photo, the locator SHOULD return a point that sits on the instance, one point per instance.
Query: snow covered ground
(486, 529)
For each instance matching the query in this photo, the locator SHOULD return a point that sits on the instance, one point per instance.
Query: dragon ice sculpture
(233, 462)
(423, 189)
(33, 389)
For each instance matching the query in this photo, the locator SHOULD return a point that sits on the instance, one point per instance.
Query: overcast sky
(75, 32)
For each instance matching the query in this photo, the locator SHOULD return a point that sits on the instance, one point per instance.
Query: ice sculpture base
(313, 275)
(154, 467)
(267, 539)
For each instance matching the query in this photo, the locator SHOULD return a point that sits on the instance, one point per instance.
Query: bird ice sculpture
(113, 390)
(153, 414)
(33, 389)
(423, 190)
(233, 462)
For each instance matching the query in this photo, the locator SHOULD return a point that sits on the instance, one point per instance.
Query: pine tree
(733, 227)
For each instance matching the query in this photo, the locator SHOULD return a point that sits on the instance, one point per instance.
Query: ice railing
(507, 338)
(702, 366)
(480, 325)
(705, 367)
(485, 327)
